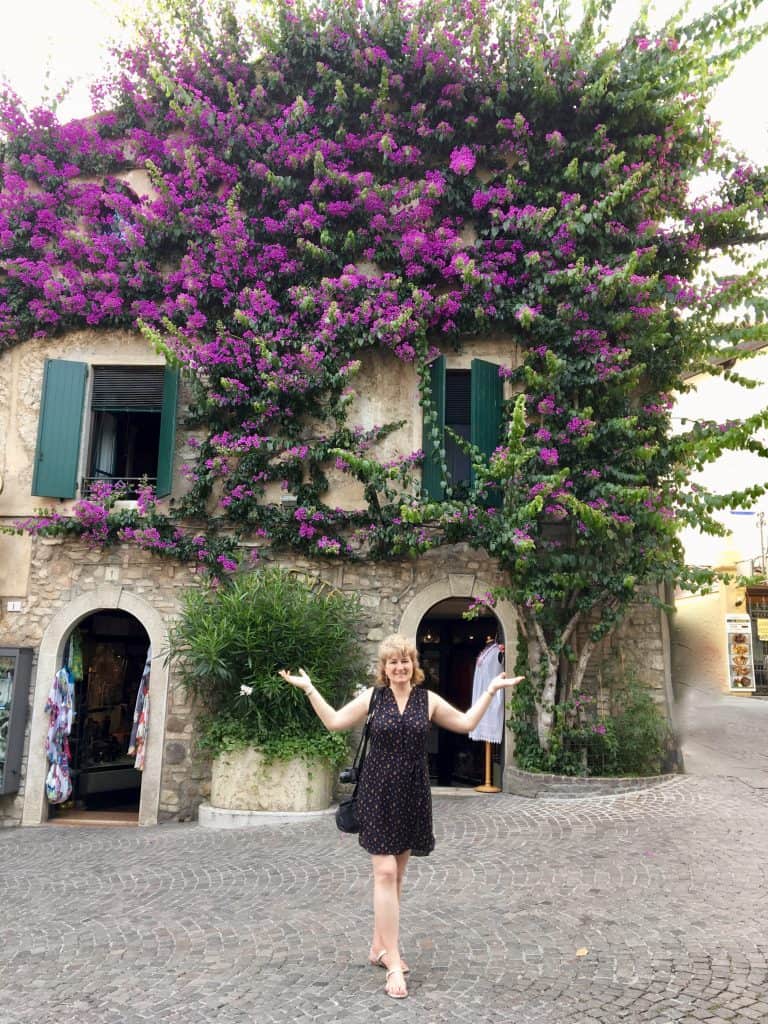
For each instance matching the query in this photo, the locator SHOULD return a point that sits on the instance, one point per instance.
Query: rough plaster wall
(14, 566)
(21, 375)
(385, 390)
(699, 646)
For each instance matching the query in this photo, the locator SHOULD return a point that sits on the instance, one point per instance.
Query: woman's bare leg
(377, 943)
(386, 915)
(402, 864)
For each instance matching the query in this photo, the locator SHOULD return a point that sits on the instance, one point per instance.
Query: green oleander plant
(229, 643)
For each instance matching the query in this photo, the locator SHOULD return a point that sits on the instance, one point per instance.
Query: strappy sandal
(379, 962)
(395, 995)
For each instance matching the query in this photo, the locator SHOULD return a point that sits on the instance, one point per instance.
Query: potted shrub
(269, 750)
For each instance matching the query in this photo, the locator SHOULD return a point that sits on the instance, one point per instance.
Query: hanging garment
(60, 708)
(140, 730)
(58, 782)
(75, 660)
(487, 667)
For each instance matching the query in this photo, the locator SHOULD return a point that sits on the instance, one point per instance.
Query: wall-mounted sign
(741, 673)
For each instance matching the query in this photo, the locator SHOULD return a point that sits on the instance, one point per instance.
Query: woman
(393, 797)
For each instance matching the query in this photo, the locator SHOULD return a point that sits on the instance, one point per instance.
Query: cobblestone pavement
(724, 735)
(665, 889)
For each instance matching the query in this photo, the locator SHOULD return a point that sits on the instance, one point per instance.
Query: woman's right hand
(301, 680)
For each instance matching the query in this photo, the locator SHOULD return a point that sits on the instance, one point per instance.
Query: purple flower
(549, 456)
(546, 406)
(462, 160)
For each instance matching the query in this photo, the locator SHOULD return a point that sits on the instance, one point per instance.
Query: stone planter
(558, 787)
(241, 781)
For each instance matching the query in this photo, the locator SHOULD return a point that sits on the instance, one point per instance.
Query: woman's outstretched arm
(449, 717)
(347, 717)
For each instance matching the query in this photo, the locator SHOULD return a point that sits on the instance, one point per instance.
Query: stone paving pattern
(177, 924)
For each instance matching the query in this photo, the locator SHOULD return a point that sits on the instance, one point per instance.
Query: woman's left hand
(503, 681)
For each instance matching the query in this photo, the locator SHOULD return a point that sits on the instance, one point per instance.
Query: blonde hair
(393, 645)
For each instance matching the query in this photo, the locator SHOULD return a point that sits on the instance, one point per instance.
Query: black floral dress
(394, 801)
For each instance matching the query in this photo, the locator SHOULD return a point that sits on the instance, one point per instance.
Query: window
(130, 421)
(458, 418)
(469, 402)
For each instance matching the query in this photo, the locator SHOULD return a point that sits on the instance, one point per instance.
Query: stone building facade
(67, 583)
(49, 587)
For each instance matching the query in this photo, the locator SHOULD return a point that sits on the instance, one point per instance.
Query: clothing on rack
(60, 708)
(140, 730)
(491, 726)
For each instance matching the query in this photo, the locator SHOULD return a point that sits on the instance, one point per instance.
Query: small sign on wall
(741, 672)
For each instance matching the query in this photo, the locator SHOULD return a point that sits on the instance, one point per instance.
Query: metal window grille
(757, 606)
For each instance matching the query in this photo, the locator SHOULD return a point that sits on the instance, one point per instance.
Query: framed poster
(741, 671)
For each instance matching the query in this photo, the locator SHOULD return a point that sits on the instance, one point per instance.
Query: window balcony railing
(127, 485)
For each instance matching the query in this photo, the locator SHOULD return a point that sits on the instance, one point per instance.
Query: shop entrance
(449, 646)
(106, 653)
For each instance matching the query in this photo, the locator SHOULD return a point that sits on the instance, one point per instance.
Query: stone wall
(638, 648)
(63, 570)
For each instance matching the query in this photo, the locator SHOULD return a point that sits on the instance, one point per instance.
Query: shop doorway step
(73, 816)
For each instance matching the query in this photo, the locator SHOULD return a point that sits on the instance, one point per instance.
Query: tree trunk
(585, 654)
(545, 707)
(542, 661)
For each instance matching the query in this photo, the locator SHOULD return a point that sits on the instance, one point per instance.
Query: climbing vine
(330, 180)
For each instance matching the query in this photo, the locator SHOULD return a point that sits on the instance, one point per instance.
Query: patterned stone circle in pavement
(647, 907)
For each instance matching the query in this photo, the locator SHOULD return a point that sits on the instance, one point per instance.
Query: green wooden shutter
(433, 438)
(167, 432)
(486, 408)
(59, 429)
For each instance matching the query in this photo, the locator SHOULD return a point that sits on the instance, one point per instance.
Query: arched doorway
(104, 598)
(448, 598)
(106, 653)
(449, 646)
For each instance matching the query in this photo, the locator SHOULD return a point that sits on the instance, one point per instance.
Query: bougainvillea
(331, 179)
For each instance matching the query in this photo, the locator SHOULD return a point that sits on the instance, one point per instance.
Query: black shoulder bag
(346, 812)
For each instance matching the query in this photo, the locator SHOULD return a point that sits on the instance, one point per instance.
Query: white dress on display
(487, 667)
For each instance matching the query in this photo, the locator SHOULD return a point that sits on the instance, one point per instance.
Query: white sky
(67, 38)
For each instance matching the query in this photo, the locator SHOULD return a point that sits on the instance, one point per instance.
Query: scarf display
(140, 730)
(60, 708)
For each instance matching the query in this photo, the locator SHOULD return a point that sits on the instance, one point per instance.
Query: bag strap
(362, 746)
